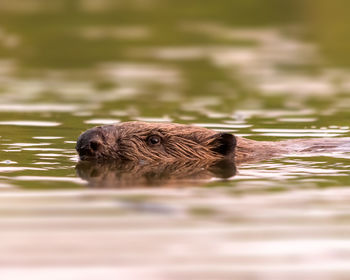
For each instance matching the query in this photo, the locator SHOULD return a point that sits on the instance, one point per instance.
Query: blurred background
(147, 56)
(267, 70)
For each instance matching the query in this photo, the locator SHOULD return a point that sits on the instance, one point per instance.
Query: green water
(267, 70)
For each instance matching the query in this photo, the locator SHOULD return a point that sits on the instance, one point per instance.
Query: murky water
(267, 73)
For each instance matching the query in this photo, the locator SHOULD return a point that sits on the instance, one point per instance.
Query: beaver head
(149, 142)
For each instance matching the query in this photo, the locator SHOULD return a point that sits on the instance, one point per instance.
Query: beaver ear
(224, 144)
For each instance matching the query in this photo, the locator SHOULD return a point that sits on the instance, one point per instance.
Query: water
(270, 72)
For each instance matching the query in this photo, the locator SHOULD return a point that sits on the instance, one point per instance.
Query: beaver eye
(153, 140)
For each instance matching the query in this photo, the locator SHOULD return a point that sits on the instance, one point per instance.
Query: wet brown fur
(129, 141)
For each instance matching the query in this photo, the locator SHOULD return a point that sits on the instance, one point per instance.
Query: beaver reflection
(128, 174)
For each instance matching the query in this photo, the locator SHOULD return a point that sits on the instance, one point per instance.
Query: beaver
(144, 142)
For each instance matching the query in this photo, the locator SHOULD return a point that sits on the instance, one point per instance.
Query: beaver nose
(89, 143)
(87, 151)
(94, 145)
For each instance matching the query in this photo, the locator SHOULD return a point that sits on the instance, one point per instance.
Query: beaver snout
(90, 143)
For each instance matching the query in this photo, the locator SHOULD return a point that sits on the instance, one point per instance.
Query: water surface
(267, 72)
